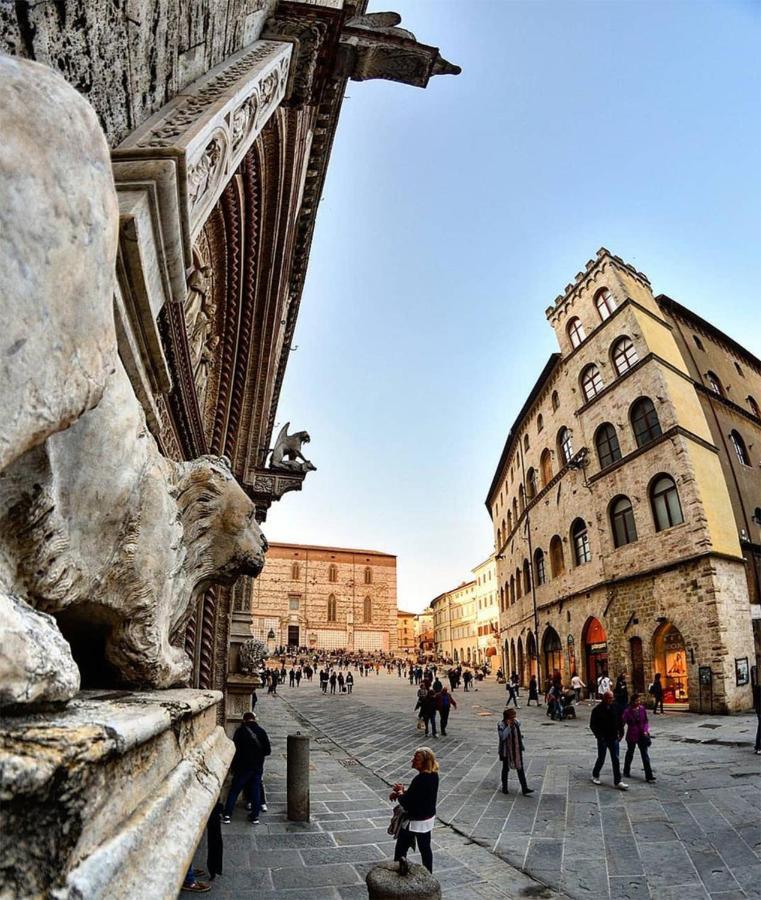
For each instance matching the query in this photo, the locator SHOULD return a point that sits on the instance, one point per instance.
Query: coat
(419, 800)
(251, 747)
(636, 721)
(606, 723)
(511, 743)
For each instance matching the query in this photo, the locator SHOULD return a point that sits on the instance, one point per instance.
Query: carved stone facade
(622, 508)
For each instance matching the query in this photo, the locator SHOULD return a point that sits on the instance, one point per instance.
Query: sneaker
(226, 820)
(528, 791)
(254, 821)
(596, 780)
(622, 786)
(264, 807)
(650, 780)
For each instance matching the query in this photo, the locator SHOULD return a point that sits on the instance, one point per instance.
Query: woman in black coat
(418, 802)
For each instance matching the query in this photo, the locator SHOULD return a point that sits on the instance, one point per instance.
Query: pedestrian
(656, 689)
(511, 750)
(603, 684)
(427, 704)
(292, 677)
(298, 677)
(577, 684)
(333, 679)
(621, 691)
(340, 682)
(607, 727)
(349, 682)
(516, 682)
(512, 694)
(418, 803)
(637, 735)
(254, 700)
(757, 707)
(251, 747)
(533, 691)
(466, 677)
(324, 681)
(445, 702)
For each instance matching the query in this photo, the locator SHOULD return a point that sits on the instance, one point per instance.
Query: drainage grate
(349, 762)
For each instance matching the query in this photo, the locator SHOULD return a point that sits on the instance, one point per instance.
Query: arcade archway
(594, 642)
(670, 659)
(552, 650)
(521, 663)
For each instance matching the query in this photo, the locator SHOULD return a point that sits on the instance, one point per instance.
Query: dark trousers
(758, 735)
(249, 781)
(521, 776)
(658, 702)
(432, 719)
(605, 745)
(407, 839)
(512, 696)
(642, 744)
(444, 713)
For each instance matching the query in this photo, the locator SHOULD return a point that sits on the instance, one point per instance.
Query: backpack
(651, 689)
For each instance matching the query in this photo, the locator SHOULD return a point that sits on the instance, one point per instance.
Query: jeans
(432, 719)
(642, 744)
(521, 776)
(513, 696)
(577, 692)
(444, 719)
(605, 745)
(658, 702)
(251, 781)
(405, 841)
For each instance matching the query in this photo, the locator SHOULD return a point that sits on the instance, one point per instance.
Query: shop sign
(597, 648)
(742, 674)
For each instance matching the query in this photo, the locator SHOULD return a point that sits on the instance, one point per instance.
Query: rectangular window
(293, 602)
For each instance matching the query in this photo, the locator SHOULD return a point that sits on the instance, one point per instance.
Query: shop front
(670, 659)
(595, 643)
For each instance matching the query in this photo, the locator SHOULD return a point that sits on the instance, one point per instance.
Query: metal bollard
(297, 780)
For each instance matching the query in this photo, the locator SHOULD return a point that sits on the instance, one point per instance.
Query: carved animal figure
(104, 543)
(287, 451)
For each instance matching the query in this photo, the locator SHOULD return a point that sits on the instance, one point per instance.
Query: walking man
(512, 693)
(607, 726)
(656, 689)
(511, 750)
(445, 702)
(533, 691)
(251, 747)
(577, 684)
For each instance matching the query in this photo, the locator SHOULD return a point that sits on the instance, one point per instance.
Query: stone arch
(521, 662)
(669, 655)
(552, 651)
(594, 651)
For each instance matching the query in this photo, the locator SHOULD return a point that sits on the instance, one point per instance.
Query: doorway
(595, 644)
(638, 665)
(553, 654)
(670, 659)
(293, 636)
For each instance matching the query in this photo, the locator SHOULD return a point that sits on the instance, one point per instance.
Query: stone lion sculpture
(104, 542)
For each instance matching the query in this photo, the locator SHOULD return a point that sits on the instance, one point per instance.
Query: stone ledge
(108, 797)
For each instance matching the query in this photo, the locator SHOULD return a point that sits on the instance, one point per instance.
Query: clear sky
(453, 216)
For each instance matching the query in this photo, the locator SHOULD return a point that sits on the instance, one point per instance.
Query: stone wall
(130, 57)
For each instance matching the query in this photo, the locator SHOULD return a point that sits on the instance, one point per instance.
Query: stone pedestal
(238, 690)
(109, 796)
(385, 883)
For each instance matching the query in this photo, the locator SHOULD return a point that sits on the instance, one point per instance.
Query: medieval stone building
(219, 119)
(625, 501)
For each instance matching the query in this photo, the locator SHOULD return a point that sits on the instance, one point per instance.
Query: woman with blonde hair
(418, 802)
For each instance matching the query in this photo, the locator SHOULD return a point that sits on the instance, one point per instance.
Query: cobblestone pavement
(696, 833)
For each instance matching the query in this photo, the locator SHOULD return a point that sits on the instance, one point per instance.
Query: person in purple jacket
(637, 735)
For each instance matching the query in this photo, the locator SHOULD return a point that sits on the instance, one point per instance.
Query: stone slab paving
(696, 833)
(330, 856)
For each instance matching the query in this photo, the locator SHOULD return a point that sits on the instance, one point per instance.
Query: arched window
(664, 499)
(332, 573)
(515, 510)
(606, 441)
(740, 449)
(545, 464)
(531, 483)
(539, 423)
(295, 571)
(504, 530)
(557, 561)
(565, 445)
(499, 538)
(525, 442)
(512, 589)
(739, 370)
(540, 572)
(753, 406)
(526, 577)
(624, 355)
(605, 303)
(580, 538)
(368, 575)
(698, 342)
(645, 421)
(713, 382)
(332, 608)
(509, 523)
(555, 401)
(622, 521)
(518, 589)
(576, 332)
(502, 599)
(591, 382)
(522, 498)
(367, 610)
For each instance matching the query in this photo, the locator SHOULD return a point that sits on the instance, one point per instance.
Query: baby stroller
(568, 710)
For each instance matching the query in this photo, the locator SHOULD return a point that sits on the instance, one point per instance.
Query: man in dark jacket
(608, 727)
(251, 747)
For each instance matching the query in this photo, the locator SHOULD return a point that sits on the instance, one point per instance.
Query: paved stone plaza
(695, 833)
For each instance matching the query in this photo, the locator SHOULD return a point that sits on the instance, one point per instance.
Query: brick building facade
(325, 598)
(625, 495)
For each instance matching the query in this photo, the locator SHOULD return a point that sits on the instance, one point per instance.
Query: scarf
(511, 747)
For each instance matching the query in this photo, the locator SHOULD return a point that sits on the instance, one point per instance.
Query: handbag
(399, 820)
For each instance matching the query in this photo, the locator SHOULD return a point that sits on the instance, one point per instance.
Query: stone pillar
(298, 777)
(385, 883)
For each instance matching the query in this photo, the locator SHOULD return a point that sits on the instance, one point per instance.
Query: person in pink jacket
(637, 735)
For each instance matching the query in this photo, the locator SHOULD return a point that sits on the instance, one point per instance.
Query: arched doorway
(513, 662)
(456, 659)
(595, 647)
(638, 665)
(670, 659)
(506, 658)
(552, 651)
(521, 663)
(532, 666)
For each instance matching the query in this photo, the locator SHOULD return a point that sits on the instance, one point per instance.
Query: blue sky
(453, 216)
